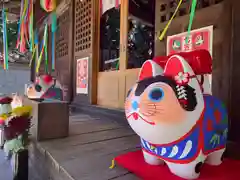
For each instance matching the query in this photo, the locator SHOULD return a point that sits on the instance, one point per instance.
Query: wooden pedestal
(50, 119)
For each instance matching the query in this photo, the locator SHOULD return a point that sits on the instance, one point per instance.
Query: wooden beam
(234, 72)
(96, 15)
(11, 4)
(70, 50)
(123, 34)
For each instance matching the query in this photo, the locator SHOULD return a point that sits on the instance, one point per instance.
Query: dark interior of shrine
(140, 35)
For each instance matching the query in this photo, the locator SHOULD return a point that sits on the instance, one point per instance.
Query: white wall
(14, 80)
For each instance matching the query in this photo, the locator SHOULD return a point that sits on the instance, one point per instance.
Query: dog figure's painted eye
(38, 88)
(156, 94)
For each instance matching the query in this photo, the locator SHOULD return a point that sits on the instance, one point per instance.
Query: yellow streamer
(43, 47)
(170, 21)
(39, 60)
(113, 164)
(33, 53)
(24, 9)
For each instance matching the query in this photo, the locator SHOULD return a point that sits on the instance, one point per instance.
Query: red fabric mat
(134, 162)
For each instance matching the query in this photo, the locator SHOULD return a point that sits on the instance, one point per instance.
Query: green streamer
(53, 29)
(42, 50)
(45, 49)
(54, 21)
(192, 14)
(117, 66)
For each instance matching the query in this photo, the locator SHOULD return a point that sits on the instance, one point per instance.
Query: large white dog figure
(176, 122)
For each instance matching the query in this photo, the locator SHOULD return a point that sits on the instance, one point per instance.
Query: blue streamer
(19, 27)
(35, 37)
(41, 45)
(54, 22)
(5, 43)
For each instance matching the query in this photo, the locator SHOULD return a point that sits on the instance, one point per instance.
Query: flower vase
(1, 138)
(19, 163)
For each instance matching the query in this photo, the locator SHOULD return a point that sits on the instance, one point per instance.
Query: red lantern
(48, 5)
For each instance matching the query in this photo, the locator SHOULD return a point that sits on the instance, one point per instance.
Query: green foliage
(12, 29)
(14, 145)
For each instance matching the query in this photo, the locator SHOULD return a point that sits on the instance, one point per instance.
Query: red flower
(2, 122)
(17, 126)
(5, 100)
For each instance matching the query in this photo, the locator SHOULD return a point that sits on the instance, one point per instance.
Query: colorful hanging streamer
(192, 14)
(53, 30)
(20, 24)
(42, 48)
(33, 55)
(25, 27)
(36, 46)
(5, 39)
(35, 49)
(48, 5)
(31, 31)
(170, 21)
(46, 49)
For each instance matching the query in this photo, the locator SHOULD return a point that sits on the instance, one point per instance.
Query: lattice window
(83, 13)
(62, 35)
(167, 7)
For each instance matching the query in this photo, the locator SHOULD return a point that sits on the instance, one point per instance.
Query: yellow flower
(4, 116)
(24, 110)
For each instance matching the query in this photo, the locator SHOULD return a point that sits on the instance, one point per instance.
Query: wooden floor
(87, 153)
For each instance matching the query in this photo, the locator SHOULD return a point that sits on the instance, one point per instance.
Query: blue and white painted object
(177, 123)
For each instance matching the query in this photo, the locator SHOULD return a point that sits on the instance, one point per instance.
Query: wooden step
(87, 153)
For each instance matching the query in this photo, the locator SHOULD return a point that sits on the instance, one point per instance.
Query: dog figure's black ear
(189, 90)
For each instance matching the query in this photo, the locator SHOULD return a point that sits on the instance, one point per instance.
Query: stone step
(93, 110)
(45, 167)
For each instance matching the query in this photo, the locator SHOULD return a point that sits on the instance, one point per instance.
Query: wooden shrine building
(98, 32)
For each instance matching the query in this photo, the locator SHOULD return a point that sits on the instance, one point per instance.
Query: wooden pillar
(234, 112)
(222, 62)
(85, 39)
(123, 59)
(123, 34)
(96, 15)
(226, 81)
(71, 50)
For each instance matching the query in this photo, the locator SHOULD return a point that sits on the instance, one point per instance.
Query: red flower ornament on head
(182, 78)
(47, 79)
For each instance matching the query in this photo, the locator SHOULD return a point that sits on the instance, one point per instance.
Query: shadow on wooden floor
(87, 153)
